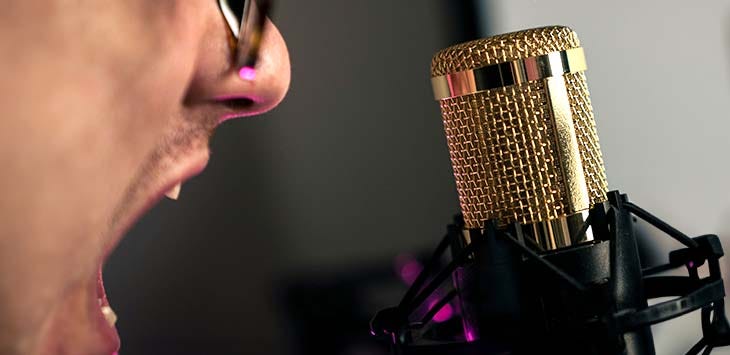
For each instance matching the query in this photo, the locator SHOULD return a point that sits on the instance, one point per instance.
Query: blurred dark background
(287, 243)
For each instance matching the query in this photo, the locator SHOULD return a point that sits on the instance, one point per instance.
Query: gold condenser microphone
(521, 134)
(545, 259)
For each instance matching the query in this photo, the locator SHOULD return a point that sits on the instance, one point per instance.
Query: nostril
(238, 103)
(237, 106)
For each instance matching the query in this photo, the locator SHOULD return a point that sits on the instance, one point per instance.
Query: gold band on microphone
(509, 73)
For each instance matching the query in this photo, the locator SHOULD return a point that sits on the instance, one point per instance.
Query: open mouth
(167, 184)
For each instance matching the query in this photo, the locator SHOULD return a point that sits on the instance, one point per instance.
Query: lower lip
(109, 334)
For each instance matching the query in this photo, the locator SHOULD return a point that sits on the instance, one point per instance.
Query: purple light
(247, 73)
(407, 268)
(470, 336)
(444, 314)
(409, 272)
(691, 264)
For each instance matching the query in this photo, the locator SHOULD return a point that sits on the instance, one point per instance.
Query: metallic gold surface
(587, 135)
(471, 81)
(546, 235)
(558, 233)
(568, 150)
(503, 48)
(526, 151)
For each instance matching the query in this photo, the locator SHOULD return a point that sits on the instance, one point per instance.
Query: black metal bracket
(692, 292)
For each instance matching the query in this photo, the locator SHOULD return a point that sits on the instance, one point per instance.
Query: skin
(101, 103)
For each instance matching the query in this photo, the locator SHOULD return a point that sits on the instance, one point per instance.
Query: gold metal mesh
(503, 142)
(502, 149)
(503, 48)
(585, 128)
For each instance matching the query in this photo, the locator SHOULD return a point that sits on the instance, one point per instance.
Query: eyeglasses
(247, 29)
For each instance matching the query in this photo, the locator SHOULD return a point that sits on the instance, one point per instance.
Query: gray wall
(359, 161)
(659, 76)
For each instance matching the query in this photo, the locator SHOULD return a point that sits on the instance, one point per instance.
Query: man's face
(104, 106)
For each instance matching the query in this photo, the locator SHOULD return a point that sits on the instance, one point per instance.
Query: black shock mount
(592, 298)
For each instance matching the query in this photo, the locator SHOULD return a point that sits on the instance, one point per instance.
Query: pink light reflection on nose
(247, 73)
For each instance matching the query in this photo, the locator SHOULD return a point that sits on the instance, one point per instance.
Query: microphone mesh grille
(503, 48)
(585, 129)
(503, 142)
(503, 154)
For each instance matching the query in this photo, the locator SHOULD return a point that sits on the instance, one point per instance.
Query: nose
(219, 84)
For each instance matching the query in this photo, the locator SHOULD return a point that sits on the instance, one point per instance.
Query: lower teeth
(109, 315)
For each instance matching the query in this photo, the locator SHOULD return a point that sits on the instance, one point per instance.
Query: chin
(79, 325)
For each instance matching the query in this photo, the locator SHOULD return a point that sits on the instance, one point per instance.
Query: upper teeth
(174, 192)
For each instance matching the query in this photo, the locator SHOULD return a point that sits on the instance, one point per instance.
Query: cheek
(150, 64)
(149, 96)
(81, 117)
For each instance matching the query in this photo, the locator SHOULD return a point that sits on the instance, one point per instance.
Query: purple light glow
(470, 336)
(409, 272)
(444, 314)
(408, 268)
(691, 264)
(247, 73)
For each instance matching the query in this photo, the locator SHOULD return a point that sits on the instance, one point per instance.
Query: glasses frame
(247, 32)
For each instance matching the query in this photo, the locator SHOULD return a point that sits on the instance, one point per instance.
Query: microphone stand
(586, 299)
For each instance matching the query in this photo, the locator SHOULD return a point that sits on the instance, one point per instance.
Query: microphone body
(521, 133)
(525, 155)
(543, 258)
